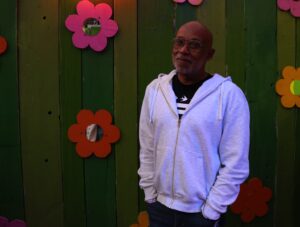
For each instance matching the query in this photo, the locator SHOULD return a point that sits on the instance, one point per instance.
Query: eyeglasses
(193, 45)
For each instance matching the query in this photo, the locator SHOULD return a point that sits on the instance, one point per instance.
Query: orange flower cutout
(252, 200)
(143, 220)
(289, 87)
(3, 45)
(85, 147)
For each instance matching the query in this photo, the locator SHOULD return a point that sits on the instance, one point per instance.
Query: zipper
(174, 157)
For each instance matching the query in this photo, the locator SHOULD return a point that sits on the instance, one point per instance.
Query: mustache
(182, 58)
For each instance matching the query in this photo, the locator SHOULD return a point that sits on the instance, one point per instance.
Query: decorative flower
(3, 45)
(92, 25)
(143, 220)
(292, 5)
(78, 133)
(192, 2)
(15, 223)
(251, 200)
(289, 87)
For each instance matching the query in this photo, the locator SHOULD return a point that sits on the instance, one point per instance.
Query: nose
(184, 49)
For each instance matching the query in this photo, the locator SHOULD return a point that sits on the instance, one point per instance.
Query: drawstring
(220, 103)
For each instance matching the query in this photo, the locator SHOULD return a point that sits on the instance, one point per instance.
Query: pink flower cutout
(252, 200)
(192, 2)
(78, 133)
(15, 223)
(292, 5)
(92, 25)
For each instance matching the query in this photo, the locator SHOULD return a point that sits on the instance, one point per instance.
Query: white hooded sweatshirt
(196, 163)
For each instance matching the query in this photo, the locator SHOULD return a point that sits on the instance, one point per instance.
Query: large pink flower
(292, 5)
(4, 222)
(192, 2)
(92, 25)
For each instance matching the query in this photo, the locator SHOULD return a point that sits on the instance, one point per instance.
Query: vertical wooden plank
(155, 33)
(235, 61)
(212, 14)
(97, 93)
(286, 140)
(235, 41)
(261, 72)
(70, 105)
(11, 192)
(183, 13)
(39, 111)
(125, 96)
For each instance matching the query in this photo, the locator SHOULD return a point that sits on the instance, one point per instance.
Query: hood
(164, 83)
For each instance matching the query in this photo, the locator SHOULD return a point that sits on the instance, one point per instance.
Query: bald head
(199, 30)
(192, 49)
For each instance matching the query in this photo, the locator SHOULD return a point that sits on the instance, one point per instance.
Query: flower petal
(74, 23)
(289, 72)
(102, 149)
(261, 209)
(295, 8)
(75, 133)
(288, 101)
(109, 28)
(80, 40)
(282, 86)
(103, 118)
(195, 2)
(85, 9)
(99, 42)
(84, 149)
(111, 133)
(283, 4)
(103, 11)
(85, 117)
(248, 216)
(16, 223)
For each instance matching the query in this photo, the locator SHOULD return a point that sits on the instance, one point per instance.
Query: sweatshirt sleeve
(146, 170)
(233, 152)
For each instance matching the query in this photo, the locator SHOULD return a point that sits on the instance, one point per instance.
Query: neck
(188, 79)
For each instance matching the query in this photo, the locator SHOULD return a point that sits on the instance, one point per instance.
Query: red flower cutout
(252, 200)
(3, 45)
(85, 147)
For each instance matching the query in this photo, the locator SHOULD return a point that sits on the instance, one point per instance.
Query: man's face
(191, 50)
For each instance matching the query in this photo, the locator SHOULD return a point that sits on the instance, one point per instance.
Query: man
(194, 137)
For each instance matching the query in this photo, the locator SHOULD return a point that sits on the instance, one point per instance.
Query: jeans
(162, 216)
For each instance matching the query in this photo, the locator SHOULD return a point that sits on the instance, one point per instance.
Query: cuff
(150, 193)
(210, 213)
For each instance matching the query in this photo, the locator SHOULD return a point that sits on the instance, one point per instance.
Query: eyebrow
(181, 37)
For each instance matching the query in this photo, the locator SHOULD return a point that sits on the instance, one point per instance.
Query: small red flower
(85, 147)
(3, 45)
(252, 200)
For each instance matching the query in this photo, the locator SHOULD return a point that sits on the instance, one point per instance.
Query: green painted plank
(183, 13)
(235, 41)
(70, 105)
(286, 119)
(97, 93)
(11, 192)
(235, 61)
(125, 96)
(261, 72)
(156, 30)
(212, 14)
(39, 112)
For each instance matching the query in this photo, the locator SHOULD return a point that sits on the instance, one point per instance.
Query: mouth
(185, 60)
